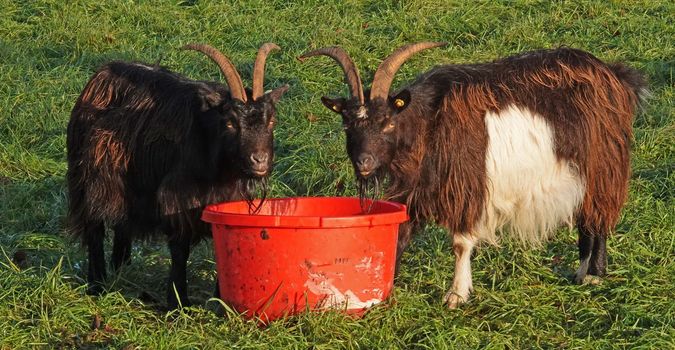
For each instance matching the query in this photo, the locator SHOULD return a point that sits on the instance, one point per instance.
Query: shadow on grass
(658, 176)
(508, 267)
(146, 277)
(33, 235)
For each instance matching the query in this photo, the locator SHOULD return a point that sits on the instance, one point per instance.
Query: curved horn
(348, 66)
(384, 75)
(259, 68)
(229, 71)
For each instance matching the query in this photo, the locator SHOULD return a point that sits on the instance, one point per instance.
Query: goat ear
(334, 105)
(400, 101)
(275, 95)
(208, 98)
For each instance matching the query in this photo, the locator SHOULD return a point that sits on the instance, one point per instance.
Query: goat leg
(177, 288)
(405, 233)
(94, 236)
(121, 246)
(598, 263)
(216, 293)
(462, 285)
(586, 247)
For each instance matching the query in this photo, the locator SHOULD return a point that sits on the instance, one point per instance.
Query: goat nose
(365, 163)
(259, 157)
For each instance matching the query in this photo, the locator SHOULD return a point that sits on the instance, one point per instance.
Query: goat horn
(229, 71)
(384, 75)
(348, 66)
(259, 68)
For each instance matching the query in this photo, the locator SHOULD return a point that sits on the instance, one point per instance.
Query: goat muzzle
(259, 163)
(366, 165)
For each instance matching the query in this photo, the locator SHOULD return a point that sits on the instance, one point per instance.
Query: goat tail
(80, 224)
(76, 212)
(632, 79)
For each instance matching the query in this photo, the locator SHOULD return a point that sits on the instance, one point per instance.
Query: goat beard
(369, 191)
(251, 189)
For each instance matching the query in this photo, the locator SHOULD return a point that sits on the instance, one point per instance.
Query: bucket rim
(217, 214)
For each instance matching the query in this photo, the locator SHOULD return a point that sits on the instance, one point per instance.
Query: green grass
(523, 298)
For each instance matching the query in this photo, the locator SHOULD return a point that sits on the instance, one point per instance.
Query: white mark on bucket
(319, 284)
(377, 291)
(371, 265)
(364, 264)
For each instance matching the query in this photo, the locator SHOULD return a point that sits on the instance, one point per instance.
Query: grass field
(523, 298)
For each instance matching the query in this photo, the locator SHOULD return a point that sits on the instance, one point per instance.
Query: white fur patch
(530, 191)
(362, 113)
(462, 284)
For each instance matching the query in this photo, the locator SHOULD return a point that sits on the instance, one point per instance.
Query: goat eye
(389, 126)
(229, 124)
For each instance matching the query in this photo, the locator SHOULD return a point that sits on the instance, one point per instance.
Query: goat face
(243, 131)
(370, 121)
(240, 129)
(371, 130)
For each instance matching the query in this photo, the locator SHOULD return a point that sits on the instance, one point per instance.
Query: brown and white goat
(149, 148)
(524, 143)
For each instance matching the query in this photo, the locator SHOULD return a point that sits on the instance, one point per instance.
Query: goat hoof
(175, 305)
(591, 280)
(147, 298)
(454, 300)
(95, 289)
(579, 278)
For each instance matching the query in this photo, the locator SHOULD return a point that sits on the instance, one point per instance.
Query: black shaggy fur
(148, 149)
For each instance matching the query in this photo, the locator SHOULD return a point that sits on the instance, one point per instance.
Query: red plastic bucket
(306, 253)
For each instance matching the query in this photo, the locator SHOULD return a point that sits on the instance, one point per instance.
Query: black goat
(525, 143)
(149, 148)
